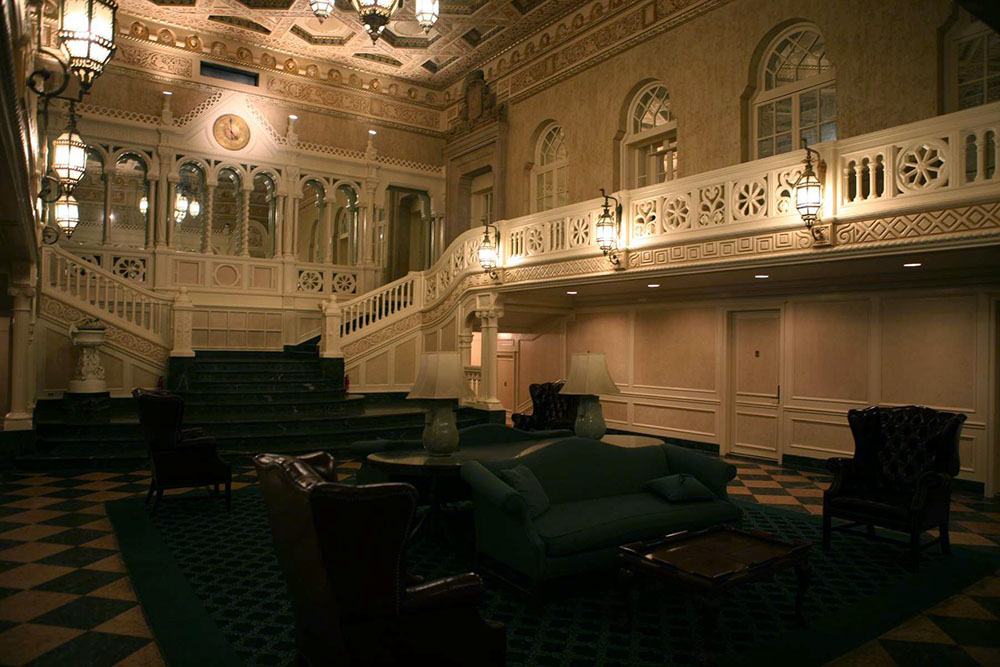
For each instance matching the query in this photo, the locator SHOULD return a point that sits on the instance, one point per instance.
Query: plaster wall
(836, 352)
(885, 56)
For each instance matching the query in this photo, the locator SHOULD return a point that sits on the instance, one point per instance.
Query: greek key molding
(140, 347)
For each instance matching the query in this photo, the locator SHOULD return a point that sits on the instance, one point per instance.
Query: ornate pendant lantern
(180, 207)
(87, 36)
(69, 156)
(143, 205)
(195, 208)
(606, 228)
(809, 192)
(489, 249)
(427, 12)
(67, 214)
(321, 8)
(375, 14)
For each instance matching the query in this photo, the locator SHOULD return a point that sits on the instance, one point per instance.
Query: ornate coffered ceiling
(468, 32)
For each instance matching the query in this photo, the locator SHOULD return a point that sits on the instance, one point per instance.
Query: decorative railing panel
(326, 279)
(102, 293)
(379, 306)
(474, 376)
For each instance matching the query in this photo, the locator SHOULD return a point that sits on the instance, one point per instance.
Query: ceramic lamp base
(440, 433)
(590, 418)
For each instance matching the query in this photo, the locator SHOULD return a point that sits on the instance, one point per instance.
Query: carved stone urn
(88, 377)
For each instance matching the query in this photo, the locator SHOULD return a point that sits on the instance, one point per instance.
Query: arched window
(796, 97)
(263, 208)
(651, 139)
(189, 209)
(227, 212)
(974, 65)
(89, 194)
(549, 184)
(129, 201)
(311, 206)
(345, 230)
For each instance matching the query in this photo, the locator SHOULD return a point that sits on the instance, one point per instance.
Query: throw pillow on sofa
(521, 479)
(680, 488)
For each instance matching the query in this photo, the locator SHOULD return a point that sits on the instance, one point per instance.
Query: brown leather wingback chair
(341, 548)
(900, 477)
(549, 409)
(180, 457)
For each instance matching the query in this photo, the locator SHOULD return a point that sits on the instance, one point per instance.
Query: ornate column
(206, 227)
(244, 245)
(279, 225)
(164, 210)
(19, 417)
(489, 310)
(465, 348)
(151, 214)
(169, 223)
(106, 227)
(183, 322)
(324, 240)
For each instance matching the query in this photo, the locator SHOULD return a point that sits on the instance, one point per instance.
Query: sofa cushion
(522, 480)
(580, 468)
(680, 488)
(584, 525)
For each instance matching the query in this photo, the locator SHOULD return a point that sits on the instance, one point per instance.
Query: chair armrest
(931, 486)
(322, 463)
(712, 472)
(455, 591)
(493, 490)
(845, 475)
(523, 421)
(204, 442)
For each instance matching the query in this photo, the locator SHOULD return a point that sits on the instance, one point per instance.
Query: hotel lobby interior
(579, 333)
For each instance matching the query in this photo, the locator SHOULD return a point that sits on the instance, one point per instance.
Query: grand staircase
(250, 402)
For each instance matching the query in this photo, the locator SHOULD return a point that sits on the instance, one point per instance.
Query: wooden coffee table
(710, 562)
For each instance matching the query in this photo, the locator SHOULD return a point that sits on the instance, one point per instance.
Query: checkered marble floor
(66, 598)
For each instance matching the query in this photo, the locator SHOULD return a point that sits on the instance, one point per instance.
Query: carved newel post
(87, 391)
(331, 356)
(183, 318)
(88, 378)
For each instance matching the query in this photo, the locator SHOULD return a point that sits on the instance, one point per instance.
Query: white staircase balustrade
(102, 294)
(384, 304)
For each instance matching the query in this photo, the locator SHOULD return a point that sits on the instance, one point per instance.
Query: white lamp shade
(321, 8)
(589, 376)
(440, 375)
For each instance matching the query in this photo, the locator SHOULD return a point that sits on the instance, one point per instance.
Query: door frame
(728, 439)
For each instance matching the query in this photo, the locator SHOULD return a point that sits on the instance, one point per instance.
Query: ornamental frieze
(140, 347)
(154, 61)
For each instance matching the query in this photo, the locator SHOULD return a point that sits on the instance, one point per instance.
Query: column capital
(21, 292)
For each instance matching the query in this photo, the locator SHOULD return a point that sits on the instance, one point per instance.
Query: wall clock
(231, 131)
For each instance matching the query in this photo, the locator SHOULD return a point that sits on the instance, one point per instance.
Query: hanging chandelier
(427, 12)
(66, 213)
(375, 14)
(69, 155)
(321, 8)
(87, 36)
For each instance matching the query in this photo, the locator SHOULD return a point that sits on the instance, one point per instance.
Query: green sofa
(597, 502)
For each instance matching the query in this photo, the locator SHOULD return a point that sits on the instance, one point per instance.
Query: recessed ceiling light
(292, 116)
(372, 132)
(653, 285)
(912, 265)
(571, 292)
(761, 276)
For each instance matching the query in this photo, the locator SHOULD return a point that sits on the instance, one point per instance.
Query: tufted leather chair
(180, 457)
(900, 477)
(549, 409)
(341, 550)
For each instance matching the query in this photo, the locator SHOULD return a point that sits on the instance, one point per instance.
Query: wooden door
(505, 382)
(755, 391)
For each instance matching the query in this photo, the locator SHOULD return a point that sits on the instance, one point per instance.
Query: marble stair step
(272, 397)
(273, 386)
(255, 375)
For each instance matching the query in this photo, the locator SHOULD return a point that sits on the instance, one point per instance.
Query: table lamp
(588, 377)
(440, 377)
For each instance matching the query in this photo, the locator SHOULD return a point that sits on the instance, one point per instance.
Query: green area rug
(212, 591)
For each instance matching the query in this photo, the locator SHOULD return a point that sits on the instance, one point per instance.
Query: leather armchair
(341, 550)
(180, 457)
(549, 409)
(900, 477)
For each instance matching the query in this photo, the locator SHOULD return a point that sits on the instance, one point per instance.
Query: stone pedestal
(87, 391)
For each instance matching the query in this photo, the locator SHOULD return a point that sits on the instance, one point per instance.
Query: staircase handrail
(106, 295)
(390, 301)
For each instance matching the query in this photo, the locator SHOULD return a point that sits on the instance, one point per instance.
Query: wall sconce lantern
(607, 227)
(67, 214)
(489, 250)
(809, 194)
(321, 8)
(86, 44)
(143, 205)
(87, 36)
(181, 205)
(427, 12)
(375, 14)
(69, 156)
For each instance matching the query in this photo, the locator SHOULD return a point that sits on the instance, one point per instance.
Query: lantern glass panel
(606, 232)
(66, 214)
